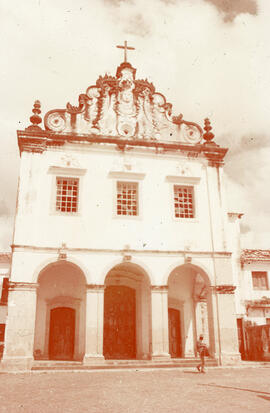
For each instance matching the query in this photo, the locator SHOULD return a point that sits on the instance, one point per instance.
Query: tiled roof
(5, 257)
(255, 255)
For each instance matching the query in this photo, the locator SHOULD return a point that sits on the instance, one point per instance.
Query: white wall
(96, 224)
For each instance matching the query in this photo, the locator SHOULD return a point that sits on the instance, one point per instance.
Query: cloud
(245, 143)
(6, 224)
(228, 9)
(4, 210)
(117, 3)
(138, 26)
(231, 8)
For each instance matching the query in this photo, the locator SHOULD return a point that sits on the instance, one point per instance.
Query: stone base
(13, 364)
(93, 359)
(230, 359)
(161, 357)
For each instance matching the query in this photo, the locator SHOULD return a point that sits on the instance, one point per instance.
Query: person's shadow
(265, 397)
(191, 372)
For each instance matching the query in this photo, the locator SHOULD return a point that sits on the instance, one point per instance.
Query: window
(127, 198)
(67, 194)
(259, 280)
(184, 201)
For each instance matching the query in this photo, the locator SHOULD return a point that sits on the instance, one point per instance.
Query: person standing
(201, 349)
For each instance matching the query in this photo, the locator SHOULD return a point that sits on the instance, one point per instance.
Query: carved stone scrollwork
(191, 132)
(123, 107)
(55, 120)
(224, 289)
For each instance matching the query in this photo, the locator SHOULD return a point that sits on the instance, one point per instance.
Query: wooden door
(62, 333)
(175, 346)
(119, 340)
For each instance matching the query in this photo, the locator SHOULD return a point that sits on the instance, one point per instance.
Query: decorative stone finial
(35, 119)
(208, 136)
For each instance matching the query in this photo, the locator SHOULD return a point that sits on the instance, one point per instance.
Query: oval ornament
(56, 122)
(191, 133)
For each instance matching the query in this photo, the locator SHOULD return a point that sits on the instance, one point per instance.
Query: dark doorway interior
(175, 345)
(119, 323)
(62, 333)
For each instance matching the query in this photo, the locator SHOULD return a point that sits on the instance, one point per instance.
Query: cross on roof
(125, 47)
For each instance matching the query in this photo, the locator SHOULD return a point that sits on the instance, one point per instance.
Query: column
(20, 326)
(201, 314)
(189, 338)
(160, 334)
(94, 324)
(224, 309)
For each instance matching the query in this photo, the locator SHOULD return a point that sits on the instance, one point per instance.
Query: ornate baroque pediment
(123, 106)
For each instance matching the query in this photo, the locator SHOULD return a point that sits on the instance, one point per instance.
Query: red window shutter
(4, 297)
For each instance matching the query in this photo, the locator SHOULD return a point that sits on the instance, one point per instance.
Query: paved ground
(220, 390)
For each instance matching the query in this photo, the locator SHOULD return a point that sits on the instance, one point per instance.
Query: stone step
(119, 364)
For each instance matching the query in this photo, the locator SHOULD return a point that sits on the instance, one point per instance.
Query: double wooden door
(62, 333)
(119, 340)
(175, 346)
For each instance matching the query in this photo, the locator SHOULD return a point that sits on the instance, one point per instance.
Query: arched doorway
(60, 314)
(126, 313)
(189, 310)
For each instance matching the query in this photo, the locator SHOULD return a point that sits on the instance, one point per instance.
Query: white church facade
(123, 245)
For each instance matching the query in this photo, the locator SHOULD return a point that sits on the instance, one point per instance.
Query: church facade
(123, 246)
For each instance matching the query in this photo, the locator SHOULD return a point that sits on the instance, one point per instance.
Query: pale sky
(210, 58)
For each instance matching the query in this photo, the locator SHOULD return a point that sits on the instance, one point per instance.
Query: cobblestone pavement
(172, 390)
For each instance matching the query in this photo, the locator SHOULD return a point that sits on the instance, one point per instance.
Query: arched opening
(127, 313)
(60, 314)
(189, 310)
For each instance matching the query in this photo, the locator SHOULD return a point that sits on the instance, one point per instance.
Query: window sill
(65, 214)
(186, 220)
(125, 217)
(260, 289)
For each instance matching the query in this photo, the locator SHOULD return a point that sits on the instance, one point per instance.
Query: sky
(210, 58)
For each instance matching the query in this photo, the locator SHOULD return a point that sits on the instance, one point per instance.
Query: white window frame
(185, 182)
(135, 186)
(192, 211)
(127, 177)
(66, 173)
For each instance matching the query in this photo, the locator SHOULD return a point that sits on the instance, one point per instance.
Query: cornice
(159, 288)
(224, 289)
(262, 303)
(130, 251)
(21, 286)
(95, 287)
(37, 141)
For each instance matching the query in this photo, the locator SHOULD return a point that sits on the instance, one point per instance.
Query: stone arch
(190, 309)
(194, 264)
(134, 261)
(60, 312)
(127, 312)
(51, 261)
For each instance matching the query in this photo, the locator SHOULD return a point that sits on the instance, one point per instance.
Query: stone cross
(125, 47)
